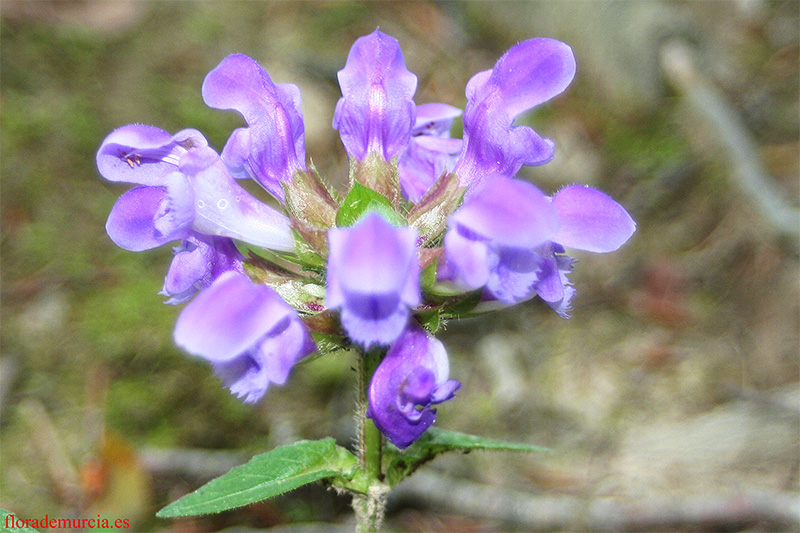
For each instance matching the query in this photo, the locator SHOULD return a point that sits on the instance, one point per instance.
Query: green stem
(369, 507)
(371, 440)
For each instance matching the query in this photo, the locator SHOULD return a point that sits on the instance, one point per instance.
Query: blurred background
(671, 399)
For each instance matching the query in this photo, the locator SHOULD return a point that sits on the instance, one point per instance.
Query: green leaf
(441, 440)
(361, 200)
(437, 441)
(268, 475)
(23, 529)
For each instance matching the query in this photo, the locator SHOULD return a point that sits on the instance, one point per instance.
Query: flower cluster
(431, 227)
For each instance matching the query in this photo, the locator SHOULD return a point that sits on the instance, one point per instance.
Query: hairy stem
(370, 507)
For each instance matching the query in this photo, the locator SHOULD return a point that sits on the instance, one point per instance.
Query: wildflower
(373, 277)
(492, 237)
(507, 239)
(529, 74)
(376, 111)
(412, 377)
(185, 187)
(246, 331)
(272, 148)
(510, 238)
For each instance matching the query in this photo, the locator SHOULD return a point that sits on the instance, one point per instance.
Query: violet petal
(514, 273)
(590, 220)
(431, 151)
(508, 212)
(187, 267)
(144, 155)
(224, 208)
(229, 318)
(563, 266)
(177, 210)
(423, 163)
(245, 376)
(434, 120)
(131, 221)
(269, 362)
(199, 261)
(283, 347)
(123, 151)
(467, 258)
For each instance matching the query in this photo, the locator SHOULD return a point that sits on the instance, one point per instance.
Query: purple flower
(529, 74)
(373, 276)
(411, 378)
(510, 238)
(376, 111)
(198, 261)
(492, 238)
(185, 187)
(431, 151)
(272, 148)
(247, 332)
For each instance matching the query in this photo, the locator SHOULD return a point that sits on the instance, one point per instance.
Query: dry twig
(531, 512)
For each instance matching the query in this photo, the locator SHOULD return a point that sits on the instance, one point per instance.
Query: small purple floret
(272, 148)
(186, 187)
(373, 277)
(510, 239)
(376, 111)
(493, 237)
(529, 74)
(412, 377)
(247, 332)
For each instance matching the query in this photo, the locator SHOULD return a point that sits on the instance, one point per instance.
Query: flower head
(412, 377)
(373, 277)
(246, 331)
(417, 197)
